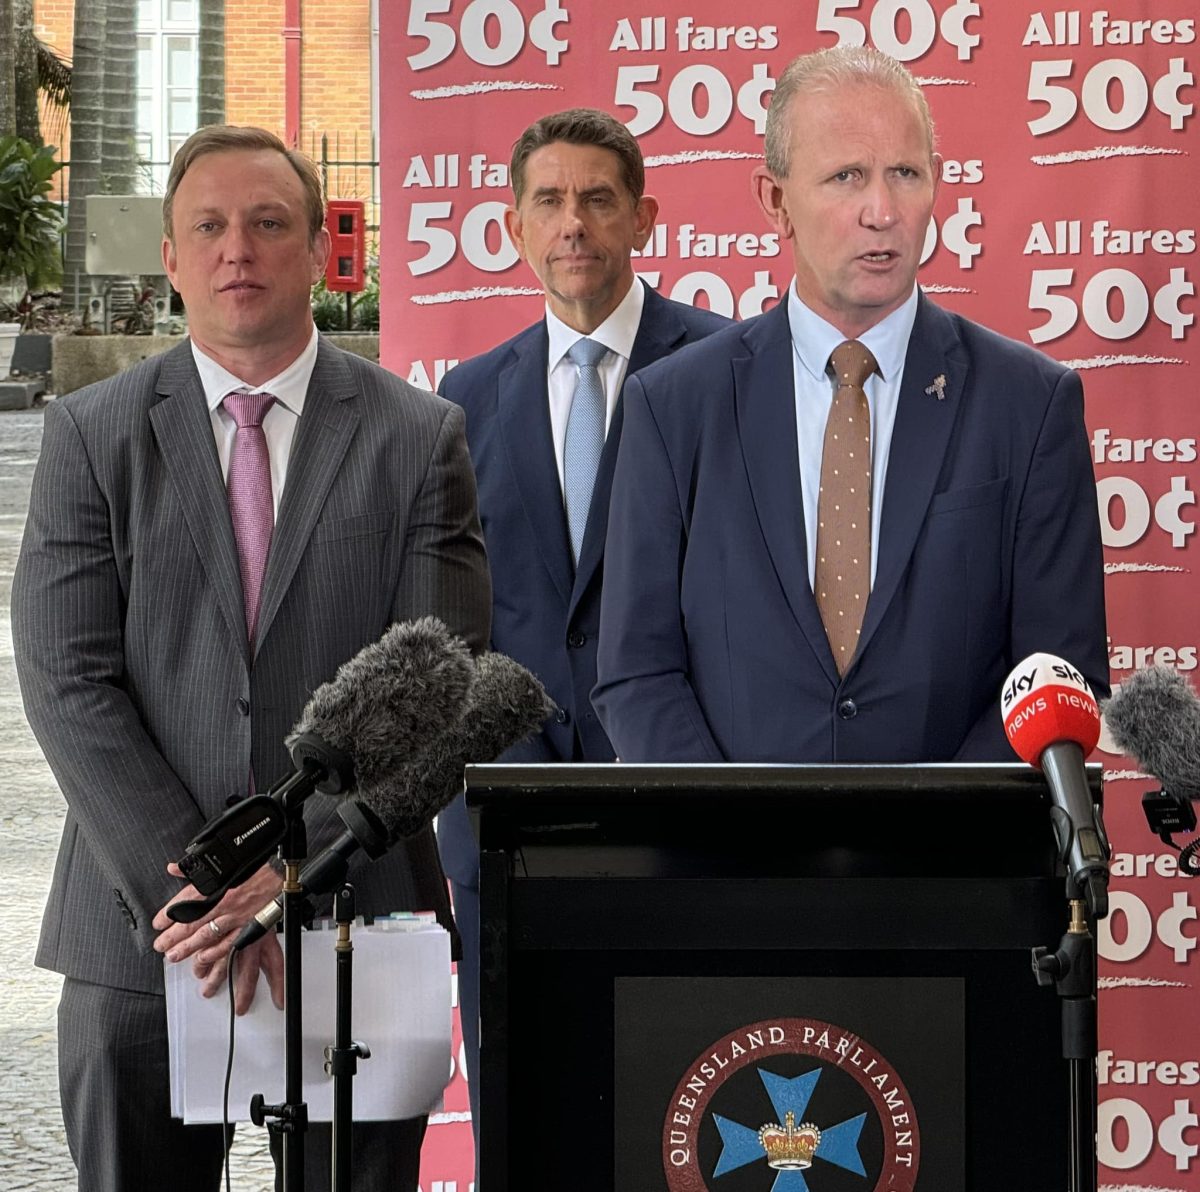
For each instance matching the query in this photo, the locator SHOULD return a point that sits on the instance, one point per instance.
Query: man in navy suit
(724, 636)
(579, 210)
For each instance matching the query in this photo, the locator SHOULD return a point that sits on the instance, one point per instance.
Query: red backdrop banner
(1066, 219)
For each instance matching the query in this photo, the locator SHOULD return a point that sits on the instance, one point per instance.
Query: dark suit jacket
(711, 645)
(130, 635)
(545, 612)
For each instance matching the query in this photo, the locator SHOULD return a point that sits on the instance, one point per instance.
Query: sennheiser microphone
(505, 705)
(381, 707)
(1154, 717)
(1052, 721)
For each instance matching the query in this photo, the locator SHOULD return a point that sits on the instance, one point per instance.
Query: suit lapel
(183, 430)
(327, 426)
(764, 393)
(660, 331)
(920, 437)
(524, 416)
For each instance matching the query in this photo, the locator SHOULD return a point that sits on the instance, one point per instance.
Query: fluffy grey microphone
(385, 704)
(506, 705)
(1154, 716)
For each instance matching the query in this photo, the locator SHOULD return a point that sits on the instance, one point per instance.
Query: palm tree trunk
(25, 73)
(120, 90)
(211, 99)
(8, 96)
(87, 128)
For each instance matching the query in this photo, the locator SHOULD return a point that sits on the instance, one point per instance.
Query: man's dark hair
(580, 126)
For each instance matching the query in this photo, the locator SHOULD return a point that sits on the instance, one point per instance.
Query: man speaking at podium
(837, 526)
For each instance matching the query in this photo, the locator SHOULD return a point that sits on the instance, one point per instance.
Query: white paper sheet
(401, 1011)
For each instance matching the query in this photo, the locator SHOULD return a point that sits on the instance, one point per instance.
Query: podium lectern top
(942, 819)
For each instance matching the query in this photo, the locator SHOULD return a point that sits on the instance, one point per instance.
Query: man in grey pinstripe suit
(153, 706)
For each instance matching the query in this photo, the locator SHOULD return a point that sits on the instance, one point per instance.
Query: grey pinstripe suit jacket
(130, 636)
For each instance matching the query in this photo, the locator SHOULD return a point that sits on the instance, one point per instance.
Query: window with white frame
(167, 68)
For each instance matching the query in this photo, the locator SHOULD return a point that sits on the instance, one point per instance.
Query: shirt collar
(814, 339)
(616, 333)
(289, 387)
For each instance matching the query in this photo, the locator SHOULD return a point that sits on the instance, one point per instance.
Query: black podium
(773, 978)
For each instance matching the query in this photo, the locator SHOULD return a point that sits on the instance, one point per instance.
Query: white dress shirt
(617, 334)
(282, 419)
(813, 342)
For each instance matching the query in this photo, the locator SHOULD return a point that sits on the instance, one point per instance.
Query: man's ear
(168, 259)
(645, 217)
(322, 246)
(514, 226)
(768, 194)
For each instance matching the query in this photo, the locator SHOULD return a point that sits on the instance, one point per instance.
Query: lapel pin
(938, 388)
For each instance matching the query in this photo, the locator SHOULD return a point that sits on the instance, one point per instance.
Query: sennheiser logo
(243, 836)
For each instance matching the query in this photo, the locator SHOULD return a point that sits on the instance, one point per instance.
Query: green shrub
(329, 307)
(366, 305)
(29, 219)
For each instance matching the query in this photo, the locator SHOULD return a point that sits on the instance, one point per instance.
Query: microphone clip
(1168, 813)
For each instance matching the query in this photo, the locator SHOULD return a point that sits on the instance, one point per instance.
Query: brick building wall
(335, 73)
(254, 64)
(336, 93)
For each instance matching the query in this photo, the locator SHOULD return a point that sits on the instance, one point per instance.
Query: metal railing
(349, 168)
(344, 177)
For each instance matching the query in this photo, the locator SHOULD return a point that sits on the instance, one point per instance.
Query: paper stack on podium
(401, 1002)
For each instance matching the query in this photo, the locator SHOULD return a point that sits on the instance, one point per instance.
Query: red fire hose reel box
(346, 222)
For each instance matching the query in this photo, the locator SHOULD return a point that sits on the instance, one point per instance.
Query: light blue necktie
(585, 438)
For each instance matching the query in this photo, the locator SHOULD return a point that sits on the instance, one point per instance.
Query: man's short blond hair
(829, 70)
(220, 138)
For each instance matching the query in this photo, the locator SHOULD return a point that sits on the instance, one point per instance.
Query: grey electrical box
(124, 235)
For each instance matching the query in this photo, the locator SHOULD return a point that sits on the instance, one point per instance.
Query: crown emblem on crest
(789, 1147)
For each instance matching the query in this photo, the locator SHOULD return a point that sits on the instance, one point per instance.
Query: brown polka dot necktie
(842, 579)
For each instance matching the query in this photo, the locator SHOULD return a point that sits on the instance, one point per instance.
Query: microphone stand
(327, 871)
(289, 1120)
(341, 1060)
(1072, 972)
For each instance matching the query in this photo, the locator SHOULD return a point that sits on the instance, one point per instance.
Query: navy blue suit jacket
(711, 645)
(546, 612)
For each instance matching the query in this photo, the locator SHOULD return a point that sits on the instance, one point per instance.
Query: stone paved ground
(33, 1148)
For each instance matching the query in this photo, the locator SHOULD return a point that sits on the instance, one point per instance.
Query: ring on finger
(213, 927)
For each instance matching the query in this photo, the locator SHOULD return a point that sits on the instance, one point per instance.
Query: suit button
(575, 639)
(562, 716)
(243, 706)
(847, 709)
(232, 800)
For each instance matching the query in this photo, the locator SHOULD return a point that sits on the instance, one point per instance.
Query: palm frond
(54, 75)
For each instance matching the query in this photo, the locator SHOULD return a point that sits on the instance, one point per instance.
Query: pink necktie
(250, 503)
